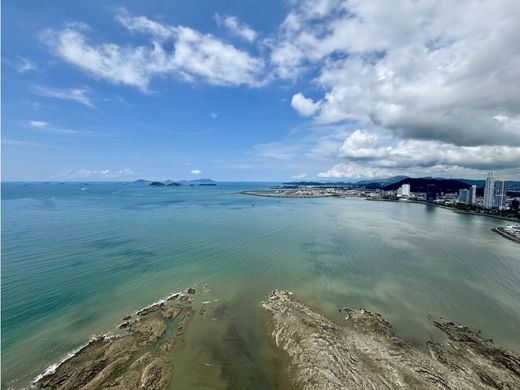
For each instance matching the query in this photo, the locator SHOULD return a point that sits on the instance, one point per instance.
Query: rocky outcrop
(149, 330)
(366, 353)
(128, 361)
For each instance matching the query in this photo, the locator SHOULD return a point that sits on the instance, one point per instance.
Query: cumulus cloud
(445, 75)
(241, 30)
(299, 176)
(79, 95)
(196, 172)
(304, 106)
(195, 56)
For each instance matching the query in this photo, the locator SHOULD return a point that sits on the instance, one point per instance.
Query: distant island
(170, 183)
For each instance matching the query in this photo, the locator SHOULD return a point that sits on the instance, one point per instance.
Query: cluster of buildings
(495, 195)
(468, 196)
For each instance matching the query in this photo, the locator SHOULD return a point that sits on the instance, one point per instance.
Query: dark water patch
(141, 253)
(240, 367)
(154, 205)
(46, 204)
(108, 243)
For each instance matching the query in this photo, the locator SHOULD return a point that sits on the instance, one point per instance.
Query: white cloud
(354, 171)
(446, 74)
(304, 106)
(196, 172)
(195, 56)
(92, 174)
(38, 124)
(25, 65)
(214, 115)
(299, 176)
(79, 95)
(46, 127)
(17, 142)
(141, 24)
(235, 27)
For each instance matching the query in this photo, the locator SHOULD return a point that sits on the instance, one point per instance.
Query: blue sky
(259, 90)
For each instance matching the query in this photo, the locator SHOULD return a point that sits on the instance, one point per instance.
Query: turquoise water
(77, 257)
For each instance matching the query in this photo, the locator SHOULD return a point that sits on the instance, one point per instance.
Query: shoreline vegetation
(366, 353)
(363, 353)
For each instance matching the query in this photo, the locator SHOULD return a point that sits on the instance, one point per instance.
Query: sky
(260, 90)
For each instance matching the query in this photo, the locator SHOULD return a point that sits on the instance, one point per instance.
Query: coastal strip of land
(300, 193)
(325, 192)
(366, 353)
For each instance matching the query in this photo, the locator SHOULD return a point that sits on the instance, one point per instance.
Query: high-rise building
(489, 191)
(431, 192)
(405, 190)
(464, 196)
(500, 195)
(473, 194)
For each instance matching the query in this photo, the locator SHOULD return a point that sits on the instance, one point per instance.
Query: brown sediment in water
(366, 353)
(130, 360)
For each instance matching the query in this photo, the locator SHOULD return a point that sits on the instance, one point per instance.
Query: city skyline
(323, 90)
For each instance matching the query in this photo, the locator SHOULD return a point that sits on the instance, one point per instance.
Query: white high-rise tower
(473, 194)
(489, 191)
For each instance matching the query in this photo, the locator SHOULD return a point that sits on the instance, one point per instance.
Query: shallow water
(75, 262)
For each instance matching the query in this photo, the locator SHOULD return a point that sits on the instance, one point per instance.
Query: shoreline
(280, 195)
(267, 194)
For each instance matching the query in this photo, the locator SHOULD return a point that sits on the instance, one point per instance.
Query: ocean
(77, 257)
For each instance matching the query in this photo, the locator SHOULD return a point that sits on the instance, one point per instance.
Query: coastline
(270, 194)
(266, 194)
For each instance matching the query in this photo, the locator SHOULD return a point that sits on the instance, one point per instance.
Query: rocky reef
(137, 358)
(366, 353)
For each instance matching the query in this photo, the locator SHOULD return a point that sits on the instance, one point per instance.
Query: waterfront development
(80, 257)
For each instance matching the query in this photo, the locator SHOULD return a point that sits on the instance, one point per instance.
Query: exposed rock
(157, 374)
(91, 365)
(129, 362)
(124, 325)
(148, 330)
(173, 296)
(368, 355)
(184, 321)
(191, 290)
(171, 312)
(150, 309)
(187, 315)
